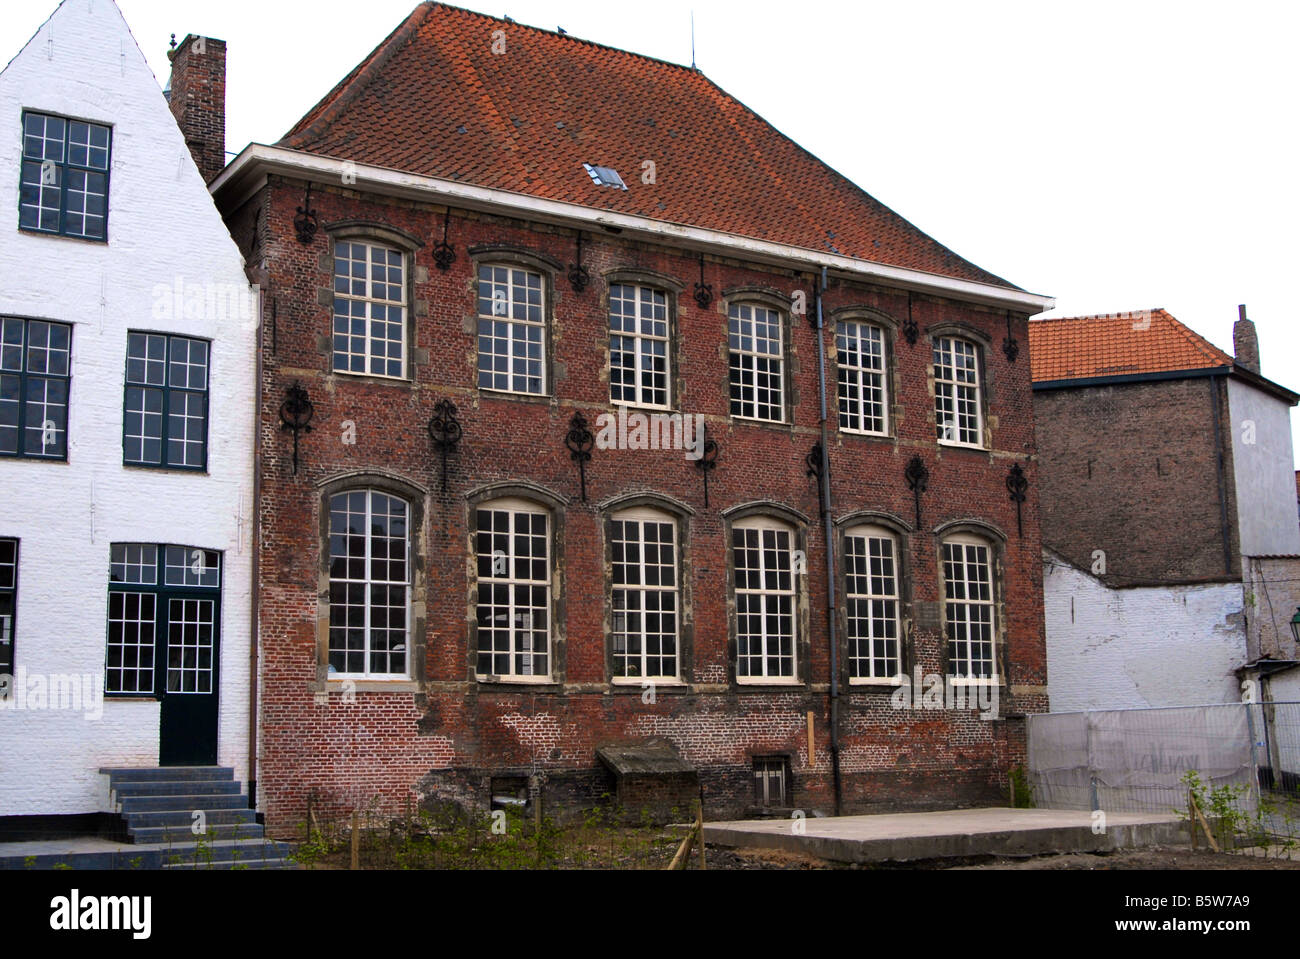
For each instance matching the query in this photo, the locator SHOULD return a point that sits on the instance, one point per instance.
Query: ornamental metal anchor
(446, 432)
(296, 413)
(708, 460)
(1018, 486)
(918, 479)
(580, 443)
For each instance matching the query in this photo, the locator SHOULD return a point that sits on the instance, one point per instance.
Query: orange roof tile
(434, 100)
(1117, 344)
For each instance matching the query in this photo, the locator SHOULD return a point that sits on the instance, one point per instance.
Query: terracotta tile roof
(1117, 344)
(434, 100)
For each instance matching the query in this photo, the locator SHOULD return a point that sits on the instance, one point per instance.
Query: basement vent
(605, 176)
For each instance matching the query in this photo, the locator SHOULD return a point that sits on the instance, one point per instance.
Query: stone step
(181, 834)
(132, 804)
(169, 774)
(184, 818)
(175, 788)
(100, 855)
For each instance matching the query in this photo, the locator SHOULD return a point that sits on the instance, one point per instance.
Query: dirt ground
(1153, 858)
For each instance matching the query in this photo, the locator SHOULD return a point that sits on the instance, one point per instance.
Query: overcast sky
(1116, 156)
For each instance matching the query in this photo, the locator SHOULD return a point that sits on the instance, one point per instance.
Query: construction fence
(1241, 761)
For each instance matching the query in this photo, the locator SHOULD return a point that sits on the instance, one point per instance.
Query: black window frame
(166, 389)
(163, 592)
(9, 589)
(66, 165)
(24, 376)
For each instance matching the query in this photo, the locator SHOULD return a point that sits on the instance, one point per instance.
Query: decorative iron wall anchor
(445, 431)
(918, 479)
(306, 223)
(910, 329)
(708, 461)
(1009, 346)
(444, 255)
(703, 291)
(296, 413)
(580, 443)
(814, 463)
(1018, 486)
(579, 278)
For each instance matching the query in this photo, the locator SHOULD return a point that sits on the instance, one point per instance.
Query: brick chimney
(1245, 343)
(198, 100)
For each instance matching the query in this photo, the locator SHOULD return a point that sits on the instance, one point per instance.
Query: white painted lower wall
(1135, 648)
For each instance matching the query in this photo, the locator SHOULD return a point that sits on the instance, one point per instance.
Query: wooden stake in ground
(699, 824)
(1204, 825)
(356, 842)
(684, 850)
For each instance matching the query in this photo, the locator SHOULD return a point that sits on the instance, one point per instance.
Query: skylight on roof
(604, 176)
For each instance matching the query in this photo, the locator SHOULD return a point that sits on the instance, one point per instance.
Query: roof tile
(1117, 344)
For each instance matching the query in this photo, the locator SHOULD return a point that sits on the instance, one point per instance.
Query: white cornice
(249, 170)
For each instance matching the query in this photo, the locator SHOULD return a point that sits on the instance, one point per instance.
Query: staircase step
(184, 818)
(228, 854)
(220, 854)
(175, 788)
(209, 802)
(182, 834)
(169, 774)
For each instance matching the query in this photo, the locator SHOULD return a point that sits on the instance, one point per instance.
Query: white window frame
(967, 543)
(641, 517)
(744, 316)
(957, 390)
(516, 507)
(856, 375)
(371, 304)
(504, 306)
(367, 582)
(763, 525)
(643, 298)
(869, 533)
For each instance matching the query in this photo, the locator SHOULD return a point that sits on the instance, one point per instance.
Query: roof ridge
(319, 117)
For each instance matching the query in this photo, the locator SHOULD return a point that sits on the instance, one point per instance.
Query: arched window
(863, 385)
(370, 585)
(645, 601)
(511, 329)
(639, 365)
(958, 413)
(871, 596)
(513, 611)
(763, 562)
(969, 608)
(370, 304)
(756, 364)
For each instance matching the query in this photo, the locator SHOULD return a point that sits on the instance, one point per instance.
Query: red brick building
(537, 228)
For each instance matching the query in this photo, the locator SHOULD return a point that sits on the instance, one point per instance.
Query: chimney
(1245, 344)
(198, 100)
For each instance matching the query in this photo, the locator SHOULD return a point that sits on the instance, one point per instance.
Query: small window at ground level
(771, 777)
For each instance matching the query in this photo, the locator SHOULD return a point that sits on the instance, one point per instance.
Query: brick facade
(443, 737)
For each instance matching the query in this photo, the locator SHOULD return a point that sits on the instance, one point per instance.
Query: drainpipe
(828, 527)
(1219, 471)
(254, 635)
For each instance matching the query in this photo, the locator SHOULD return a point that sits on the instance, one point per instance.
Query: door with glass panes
(164, 630)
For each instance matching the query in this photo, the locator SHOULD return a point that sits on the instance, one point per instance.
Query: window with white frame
(370, 585)
(763, 557)
(872, 602)
(643, 544)
(35, 371)
(864, 396)
(969, 620)
(957, 412)
(638, 346)
(165, 414)
(369, 309)
(511, 330)
(756, 364)
(513, 547)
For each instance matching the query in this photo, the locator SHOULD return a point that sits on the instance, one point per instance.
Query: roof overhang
(248, 172)
(1239, 372)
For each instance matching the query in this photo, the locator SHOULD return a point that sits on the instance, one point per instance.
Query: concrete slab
(90, 852)
(905, 837)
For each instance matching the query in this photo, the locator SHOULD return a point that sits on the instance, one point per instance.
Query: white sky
(1117, 156)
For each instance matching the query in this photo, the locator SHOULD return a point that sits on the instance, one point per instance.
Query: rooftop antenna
(692, 39)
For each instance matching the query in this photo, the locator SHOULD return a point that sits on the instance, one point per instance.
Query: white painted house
(1171, 542)
(126, 431)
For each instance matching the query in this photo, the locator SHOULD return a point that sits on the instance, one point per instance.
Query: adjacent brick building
(1171, 535)
(534, 227)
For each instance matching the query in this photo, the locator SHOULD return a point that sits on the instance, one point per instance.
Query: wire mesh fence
(1238, 763)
